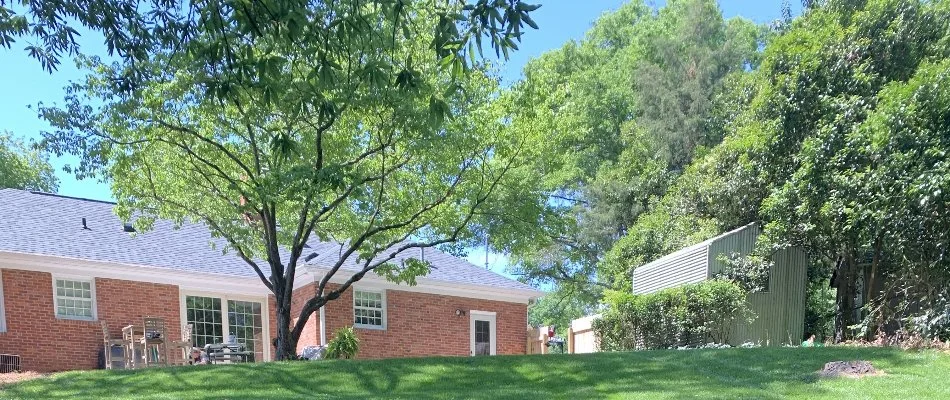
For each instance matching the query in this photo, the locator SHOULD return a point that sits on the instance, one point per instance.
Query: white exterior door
(482, 333)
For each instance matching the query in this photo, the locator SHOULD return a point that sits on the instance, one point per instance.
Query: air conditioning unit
(9, 363)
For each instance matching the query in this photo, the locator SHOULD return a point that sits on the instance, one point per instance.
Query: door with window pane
(244, 322)
(483, 333)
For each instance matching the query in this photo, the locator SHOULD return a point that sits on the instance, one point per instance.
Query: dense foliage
(621, 113)
(750, 272)
(24, 166)
(689, 315)
(834, 136)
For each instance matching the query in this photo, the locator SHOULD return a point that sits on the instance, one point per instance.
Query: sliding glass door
(244, 320)
(245, 323)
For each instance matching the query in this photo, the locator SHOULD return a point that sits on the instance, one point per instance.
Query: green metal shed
(779, 311)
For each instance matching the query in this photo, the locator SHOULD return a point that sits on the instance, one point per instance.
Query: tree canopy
(24, 166)
(826, 128)
(621, 112)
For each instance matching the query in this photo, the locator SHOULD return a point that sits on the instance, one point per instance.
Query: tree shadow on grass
(729, 373)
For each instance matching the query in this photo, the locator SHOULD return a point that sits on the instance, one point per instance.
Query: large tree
(23, 166)
(367, 123)
(622, 113)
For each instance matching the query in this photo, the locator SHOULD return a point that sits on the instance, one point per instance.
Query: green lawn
(730, 373)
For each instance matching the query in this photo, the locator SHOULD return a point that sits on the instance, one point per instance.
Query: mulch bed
(849, 369)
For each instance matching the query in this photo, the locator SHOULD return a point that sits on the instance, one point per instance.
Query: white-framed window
(74, 298)
(215, 318)
(369, 309)
(3, 311)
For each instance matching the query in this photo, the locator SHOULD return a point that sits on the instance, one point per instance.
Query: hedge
(688, 315)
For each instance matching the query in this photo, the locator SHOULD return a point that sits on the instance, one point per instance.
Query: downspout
(323, 318)
(323, 326)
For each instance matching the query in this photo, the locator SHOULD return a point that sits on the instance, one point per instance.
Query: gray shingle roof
(445, 267)
(45, 224)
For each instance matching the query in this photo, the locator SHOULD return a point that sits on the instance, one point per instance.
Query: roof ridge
(41, 193)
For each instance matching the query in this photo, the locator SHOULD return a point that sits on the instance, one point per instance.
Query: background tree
(276, 124)
(667, 128)
(24, 166)
(790, 158)
(621, 114)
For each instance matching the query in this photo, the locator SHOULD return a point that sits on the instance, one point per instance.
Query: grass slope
(730, 373)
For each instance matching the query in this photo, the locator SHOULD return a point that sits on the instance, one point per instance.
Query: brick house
(67, 263)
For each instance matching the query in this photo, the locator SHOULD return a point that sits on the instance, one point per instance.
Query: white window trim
(92, 293)
(225, 326)
(3, 310)
(382, 293)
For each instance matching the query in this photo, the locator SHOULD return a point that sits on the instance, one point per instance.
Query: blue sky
(23, 83)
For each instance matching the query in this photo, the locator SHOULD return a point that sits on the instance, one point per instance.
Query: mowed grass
(774, 373)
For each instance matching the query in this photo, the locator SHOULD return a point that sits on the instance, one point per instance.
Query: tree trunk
(872, 293)
(286, 345)
(844, 299)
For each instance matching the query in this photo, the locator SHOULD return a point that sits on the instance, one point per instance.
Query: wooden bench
(222, 352)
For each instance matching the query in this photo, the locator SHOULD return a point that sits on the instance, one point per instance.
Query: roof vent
(311, 256)
(127, 226)
(84, 226)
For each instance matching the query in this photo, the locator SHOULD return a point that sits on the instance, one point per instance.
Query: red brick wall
(272, 318)
(311, 331)
(46, 343)
(121, 303)
(422, 324)
(418, 324)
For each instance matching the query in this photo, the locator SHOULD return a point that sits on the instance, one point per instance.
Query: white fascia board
(186, 280)
(431, 286)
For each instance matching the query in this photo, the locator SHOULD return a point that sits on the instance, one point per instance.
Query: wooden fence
(580, 338)
(537, 340)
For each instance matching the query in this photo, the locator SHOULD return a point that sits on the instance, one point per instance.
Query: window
(204, 315)
(244, 321)
(482, 338)
(75, 299)
(369, 309)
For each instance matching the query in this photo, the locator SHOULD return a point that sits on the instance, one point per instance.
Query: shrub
(688, 315)
(750, 272)
(933, 321)
(344, 344)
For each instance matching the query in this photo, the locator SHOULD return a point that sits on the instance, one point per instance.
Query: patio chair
(154, 341)
(179, 351)
(108, 343)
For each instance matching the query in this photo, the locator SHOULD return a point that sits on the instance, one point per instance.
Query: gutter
(432, 286)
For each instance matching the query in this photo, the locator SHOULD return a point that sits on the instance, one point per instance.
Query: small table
(228, 353)
(129, 334)
(132, 331)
